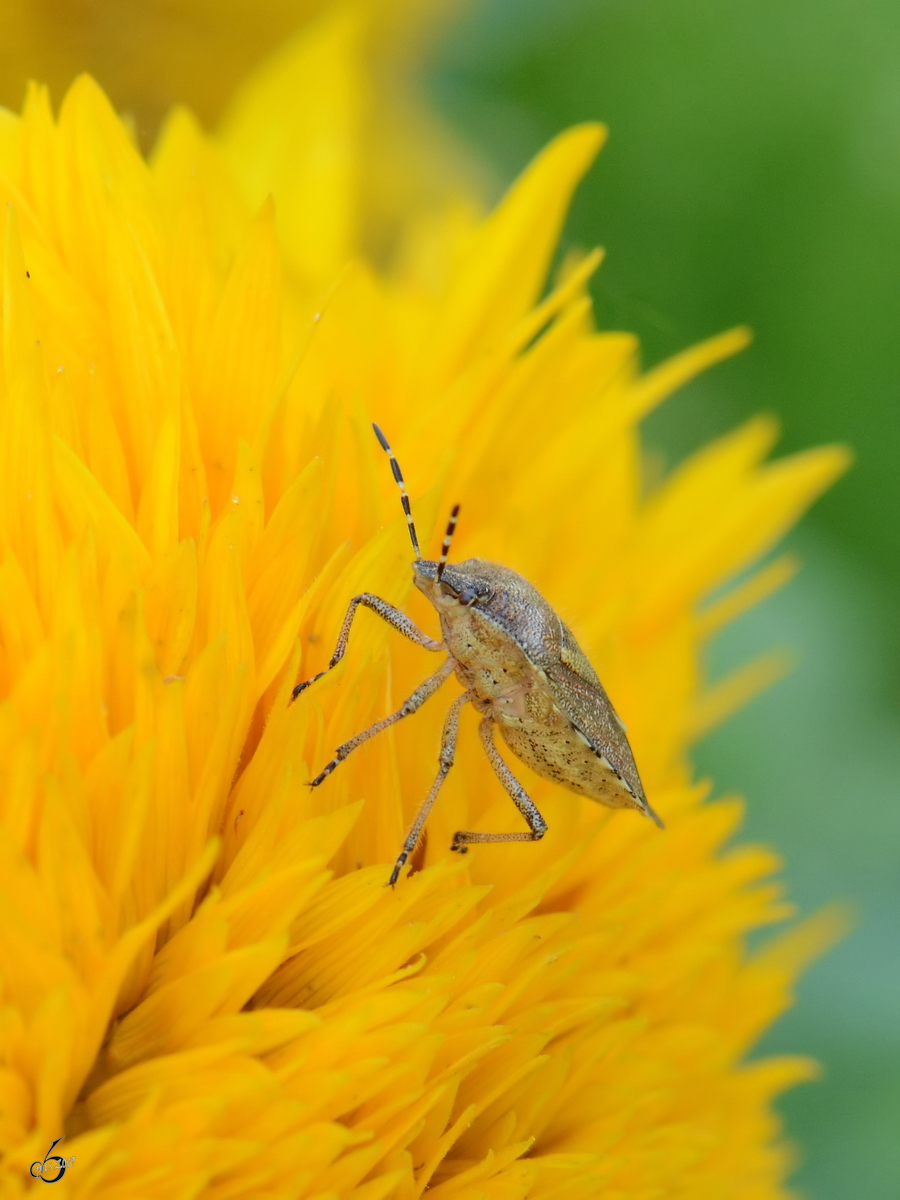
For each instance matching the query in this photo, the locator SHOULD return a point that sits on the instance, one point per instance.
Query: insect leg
(394, 617)
(537, 826)
(448, 750)
(415, 702)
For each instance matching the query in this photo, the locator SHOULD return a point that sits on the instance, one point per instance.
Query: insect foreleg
(415, 702)
(448, 751)
(394, 617)
(537, 826)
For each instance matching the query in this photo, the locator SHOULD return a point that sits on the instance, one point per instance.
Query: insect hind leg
(394, 617)
(537, 826)
(422, 693)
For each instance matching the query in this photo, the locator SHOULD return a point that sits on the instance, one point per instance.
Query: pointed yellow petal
(307, 156)
(507, 262)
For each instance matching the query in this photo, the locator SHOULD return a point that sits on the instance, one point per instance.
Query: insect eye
(469, 595)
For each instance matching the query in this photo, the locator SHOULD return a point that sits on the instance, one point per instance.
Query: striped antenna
(404, 499)
(448, 538)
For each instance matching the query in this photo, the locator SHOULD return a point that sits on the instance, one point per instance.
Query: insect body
(525, 674)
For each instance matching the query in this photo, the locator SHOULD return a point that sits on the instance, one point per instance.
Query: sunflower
(207, 987)
(363, 55)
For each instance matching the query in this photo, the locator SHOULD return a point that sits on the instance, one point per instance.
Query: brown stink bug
(522, 670)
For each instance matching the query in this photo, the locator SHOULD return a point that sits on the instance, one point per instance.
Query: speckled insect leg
(415, 702)
(448, 751)
(394, 617)
(537, 826)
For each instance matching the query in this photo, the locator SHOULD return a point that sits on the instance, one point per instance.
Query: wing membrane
(583, 699)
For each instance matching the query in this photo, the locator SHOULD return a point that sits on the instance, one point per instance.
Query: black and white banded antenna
(398, 475)
(448, 538)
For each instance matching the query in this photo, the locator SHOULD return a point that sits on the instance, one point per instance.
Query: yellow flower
(348, 68)
(206, 985)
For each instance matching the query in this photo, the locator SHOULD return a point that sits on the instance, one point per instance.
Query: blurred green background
(753, 175)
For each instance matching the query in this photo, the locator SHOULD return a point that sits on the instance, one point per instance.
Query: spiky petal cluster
(205, 983)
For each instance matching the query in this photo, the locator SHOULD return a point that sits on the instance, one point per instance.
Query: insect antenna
(448, 538)
(404, 499)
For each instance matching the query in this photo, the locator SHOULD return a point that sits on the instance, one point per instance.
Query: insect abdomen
(557, 751)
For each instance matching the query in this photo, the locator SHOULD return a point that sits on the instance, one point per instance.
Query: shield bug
(521, 669)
